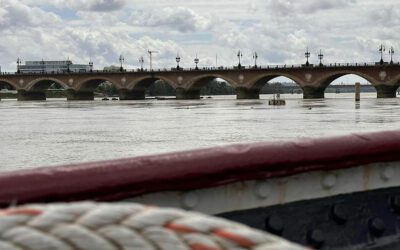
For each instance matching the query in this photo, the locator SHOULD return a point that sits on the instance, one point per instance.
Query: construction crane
(151, 58)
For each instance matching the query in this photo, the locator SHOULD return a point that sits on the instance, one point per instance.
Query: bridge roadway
(248, 82)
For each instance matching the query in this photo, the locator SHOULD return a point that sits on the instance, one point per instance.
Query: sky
(214, 30)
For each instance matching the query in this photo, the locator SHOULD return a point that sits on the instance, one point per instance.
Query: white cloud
(92, 5)
(279, 30)
(178, 18)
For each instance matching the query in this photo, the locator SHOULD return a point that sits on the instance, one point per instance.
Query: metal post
(358, 91)
(381, 50)
(307, 54)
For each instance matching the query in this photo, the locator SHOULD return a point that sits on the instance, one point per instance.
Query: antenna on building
(151, 58)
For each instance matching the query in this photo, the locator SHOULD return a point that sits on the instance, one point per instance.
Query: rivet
(190, 200)
(329, 181)
(376, 227)
(339, 213)
(263, 190)
(387, 173)
(395, 203)
(316, 238)
(274, 225)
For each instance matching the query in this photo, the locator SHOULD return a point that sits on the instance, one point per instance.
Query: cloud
(16, 14)
(178, 18)
(92, 5)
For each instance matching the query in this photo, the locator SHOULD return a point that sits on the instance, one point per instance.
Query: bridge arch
(147, 81)
(42, 84)
(91, 83)
(200, 81)
(10, 83)
(327, 79)
(261, 80)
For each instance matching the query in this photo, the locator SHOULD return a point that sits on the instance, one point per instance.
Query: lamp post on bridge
(19, 62)
(178, 59)
(255, 57)
(196, 61)
(391, 53)
(381, 50)
(239, 55)
(91, 65)
(307, 54)
(320, 56)
(68, 65)
(121, 61)
(42, 63)
(141, 61)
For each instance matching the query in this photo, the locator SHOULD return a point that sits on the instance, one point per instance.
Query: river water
(57, 132)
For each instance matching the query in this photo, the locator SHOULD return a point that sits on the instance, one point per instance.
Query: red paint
(121, 179)
(21, 211)
(239, 240)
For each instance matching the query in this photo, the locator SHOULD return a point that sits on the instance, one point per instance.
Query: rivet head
(274, 225)
(376, 227)
(387, 173)
(263, 190)
(395, 203)
(315, 238)
(339, 214)
(190, 200)
(329, 181)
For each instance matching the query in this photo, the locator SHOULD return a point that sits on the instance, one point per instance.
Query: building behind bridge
(38, 67)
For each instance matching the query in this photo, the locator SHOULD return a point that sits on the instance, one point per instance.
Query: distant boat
(277, 101)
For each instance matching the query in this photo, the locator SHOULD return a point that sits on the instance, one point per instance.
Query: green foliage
(216, 87)
(161, 88)
(107, 88)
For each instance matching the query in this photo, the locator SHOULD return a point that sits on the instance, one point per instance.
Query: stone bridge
(248, 82)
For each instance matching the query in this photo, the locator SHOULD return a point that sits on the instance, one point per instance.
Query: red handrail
(122, 179)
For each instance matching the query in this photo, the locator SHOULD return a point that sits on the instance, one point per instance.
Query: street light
(19, 62)
(121, 60)
(196, 61)
(320, 56)
(42, 62)
(255, 57)
(141, 61)
(239, 55)
(307, 54)
(69, 63)
(178, 59)
(381, 50)
(391, 53)
(91, 65)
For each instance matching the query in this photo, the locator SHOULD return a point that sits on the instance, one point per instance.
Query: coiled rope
(94, 226)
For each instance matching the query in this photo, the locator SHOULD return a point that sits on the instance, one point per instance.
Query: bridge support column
(245, 93)
(125, 94)
(185, 94)
(313, 92)
(73, 95)
(24, 95)
(385, 91)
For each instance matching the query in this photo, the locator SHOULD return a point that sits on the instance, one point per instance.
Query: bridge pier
(310, 92)
(125, 94)
(187, 94)
(245, 93)
(24, 95)
(73, 95)
(385, 91)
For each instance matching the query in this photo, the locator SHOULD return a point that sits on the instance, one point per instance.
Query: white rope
(92, 226)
